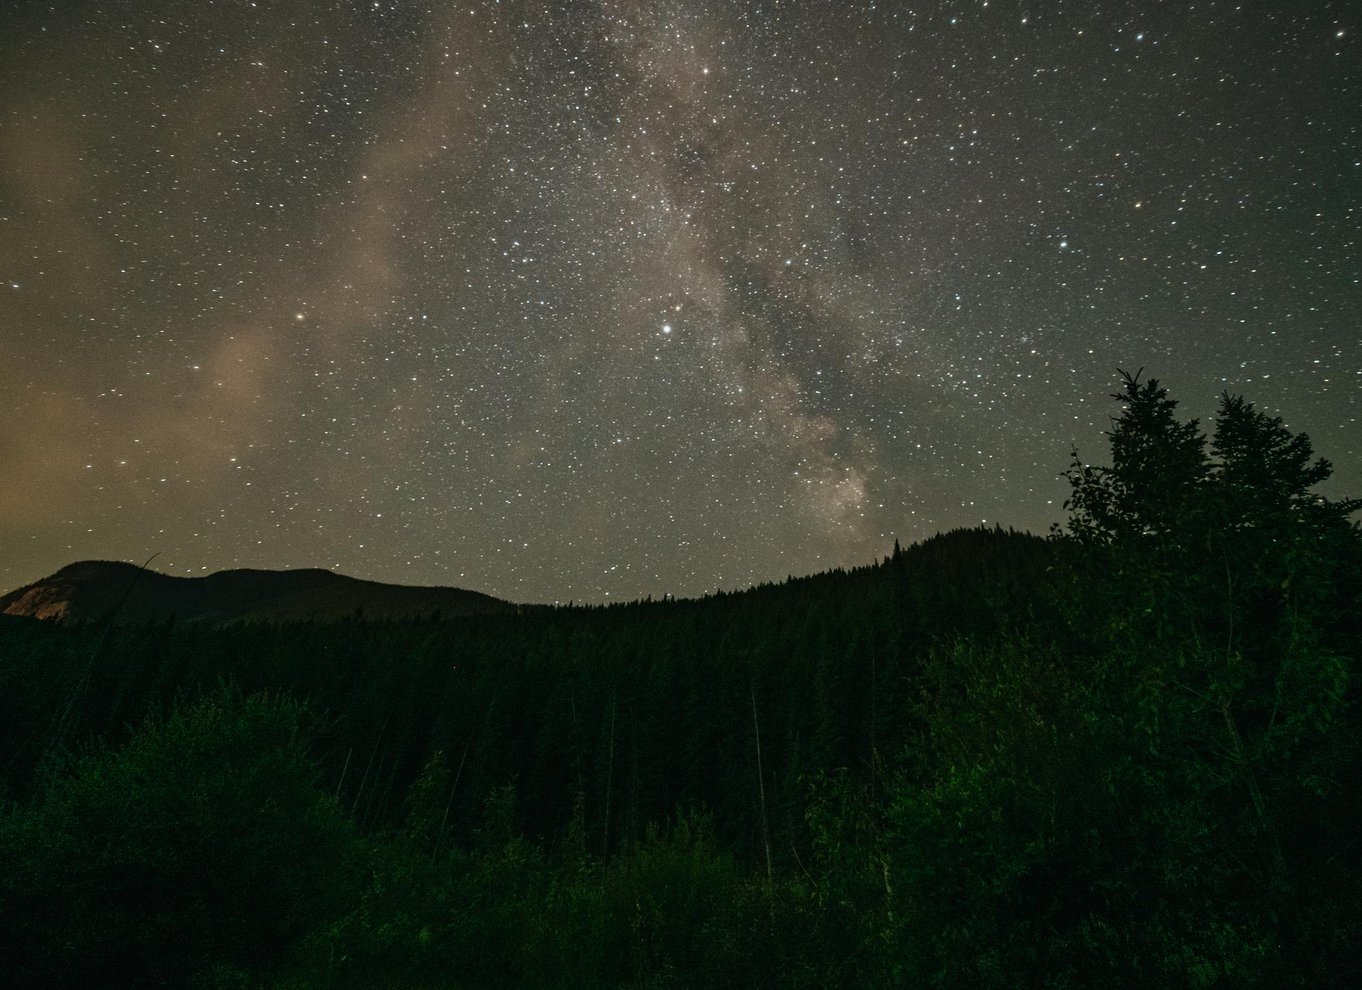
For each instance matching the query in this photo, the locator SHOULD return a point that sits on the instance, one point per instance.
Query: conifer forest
(1125, 754)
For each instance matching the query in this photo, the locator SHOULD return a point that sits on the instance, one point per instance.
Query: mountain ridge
(94, 590)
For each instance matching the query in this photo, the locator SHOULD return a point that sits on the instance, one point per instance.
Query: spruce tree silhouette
(1157, 467)
(1215, 595)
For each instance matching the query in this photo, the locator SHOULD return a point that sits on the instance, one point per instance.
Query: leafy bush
(200, 849)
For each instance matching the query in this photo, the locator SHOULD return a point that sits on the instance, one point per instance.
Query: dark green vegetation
(1125, 756)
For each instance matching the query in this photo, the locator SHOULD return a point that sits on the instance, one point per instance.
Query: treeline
(535, 700)
(1127, 754)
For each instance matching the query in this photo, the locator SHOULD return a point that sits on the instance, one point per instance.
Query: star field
(598, 300)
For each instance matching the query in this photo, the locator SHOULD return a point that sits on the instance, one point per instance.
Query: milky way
(599, 300)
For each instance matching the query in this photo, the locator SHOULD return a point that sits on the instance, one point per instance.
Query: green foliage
(1128, 755)
(850, 900)
(1050, 834)
(1211, 608)
(201, 848)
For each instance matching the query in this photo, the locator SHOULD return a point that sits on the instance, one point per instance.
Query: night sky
(600, 300)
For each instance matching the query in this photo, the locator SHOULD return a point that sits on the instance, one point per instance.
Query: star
(857, 210)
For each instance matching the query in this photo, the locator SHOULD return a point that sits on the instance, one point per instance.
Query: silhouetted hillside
(1127, 755)
(91, 590)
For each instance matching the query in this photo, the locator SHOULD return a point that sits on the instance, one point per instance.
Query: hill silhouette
(1125, 755)
(93, 590)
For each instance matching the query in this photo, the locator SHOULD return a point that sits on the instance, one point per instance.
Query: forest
(1124, 754)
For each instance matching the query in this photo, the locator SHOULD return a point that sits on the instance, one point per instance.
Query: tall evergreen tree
(1157, 466)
